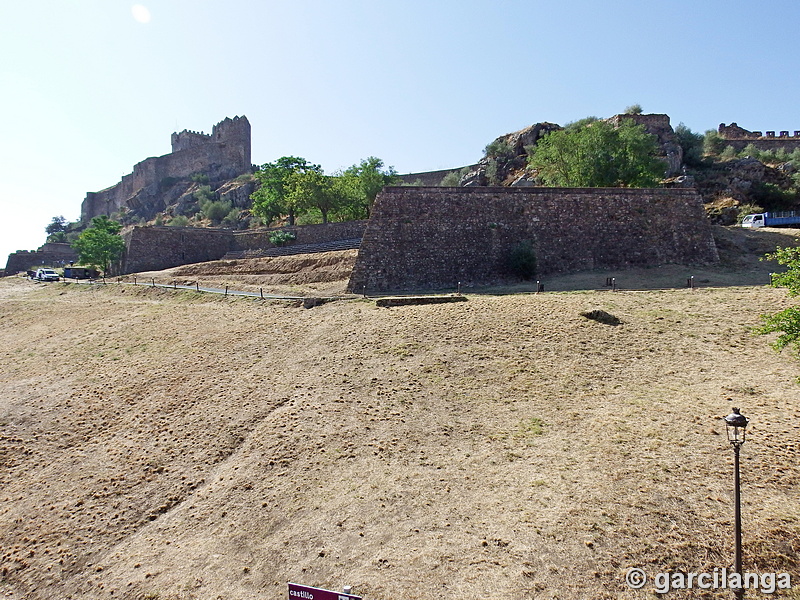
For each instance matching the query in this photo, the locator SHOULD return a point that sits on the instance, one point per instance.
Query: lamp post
(736, 426)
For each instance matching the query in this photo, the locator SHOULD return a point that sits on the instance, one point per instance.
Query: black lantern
(736, 426)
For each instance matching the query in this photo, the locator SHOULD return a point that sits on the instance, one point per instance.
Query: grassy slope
(163, 444)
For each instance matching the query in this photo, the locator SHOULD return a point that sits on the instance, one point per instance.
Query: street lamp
(736, 428)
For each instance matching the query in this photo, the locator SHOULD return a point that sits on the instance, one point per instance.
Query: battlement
(232, 130)
(734, 132)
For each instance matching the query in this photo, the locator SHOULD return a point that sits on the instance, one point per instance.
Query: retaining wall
(432, 238)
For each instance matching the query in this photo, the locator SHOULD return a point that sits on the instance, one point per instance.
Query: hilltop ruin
(223, 154)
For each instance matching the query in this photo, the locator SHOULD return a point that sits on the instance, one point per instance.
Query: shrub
(167, 182)
(522, 261)
(179, 221)
(692, 145)
(200, 178)
(453, 179)
(232, 218)
(281, 237)
(215, 211)
(204, 194)
(729, 153)
(633, 109)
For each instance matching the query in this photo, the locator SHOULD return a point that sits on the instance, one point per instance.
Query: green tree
(787, 321)
(633, 109)
(100, 245)
(271, 200)
(692, 145)
(599, 155)
(360, 184)
(311, 188)
(56, 225)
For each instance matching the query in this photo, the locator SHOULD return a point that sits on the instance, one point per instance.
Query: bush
(179, 221)
(453, 179)
(522, 261)
(232, 218)
(281, 237)
(692, 145)
(771, 197)
(200, 178)
(713, 144)
(215, 211)
(633, 109)
(167, 182)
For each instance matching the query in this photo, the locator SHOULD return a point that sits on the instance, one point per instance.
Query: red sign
(303, 592)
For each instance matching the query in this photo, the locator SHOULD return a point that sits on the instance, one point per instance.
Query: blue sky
(91, 87)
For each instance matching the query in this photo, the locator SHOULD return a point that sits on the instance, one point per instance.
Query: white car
(47, 275)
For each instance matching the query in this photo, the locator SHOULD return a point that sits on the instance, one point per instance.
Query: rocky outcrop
(506, 158)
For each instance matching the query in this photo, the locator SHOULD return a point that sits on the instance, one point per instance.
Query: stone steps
(349, 244)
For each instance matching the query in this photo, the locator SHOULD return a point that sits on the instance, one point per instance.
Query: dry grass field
(159, 444)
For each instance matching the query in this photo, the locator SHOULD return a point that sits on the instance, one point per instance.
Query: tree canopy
(292, 187)
(100, 245)
(598, 155)
(787, 321)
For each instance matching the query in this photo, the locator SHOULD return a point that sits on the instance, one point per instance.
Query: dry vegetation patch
(165, 444)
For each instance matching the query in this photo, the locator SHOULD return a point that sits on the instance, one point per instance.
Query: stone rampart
(306, 234)
(48, 255)
(224, 154)
(157, 248)
(738, 138)
(430, 178)
(432, 238)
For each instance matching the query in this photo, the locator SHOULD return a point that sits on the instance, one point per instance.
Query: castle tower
(234, 133)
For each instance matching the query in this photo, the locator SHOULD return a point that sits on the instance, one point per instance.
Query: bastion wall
(433, 238)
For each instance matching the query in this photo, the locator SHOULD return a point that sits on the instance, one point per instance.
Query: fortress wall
(739, 138)
(765, 144)
(432, 238)
(430, 178)
(156, 248)
(306, 234)
(48, 255)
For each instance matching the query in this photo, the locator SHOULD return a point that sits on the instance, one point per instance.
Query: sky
(92, 87)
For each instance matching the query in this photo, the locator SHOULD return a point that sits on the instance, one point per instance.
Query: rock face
(507, 157)
(223, 154)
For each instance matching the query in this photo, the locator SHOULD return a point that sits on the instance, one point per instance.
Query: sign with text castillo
(304, 592)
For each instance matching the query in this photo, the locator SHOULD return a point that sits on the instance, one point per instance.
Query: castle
(224, 154)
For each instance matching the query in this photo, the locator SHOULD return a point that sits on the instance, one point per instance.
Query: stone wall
(306, 234)
(224, 154)
(739, 138)
(432, 238)
(430, 178)
(156, 248)
(48, 255)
